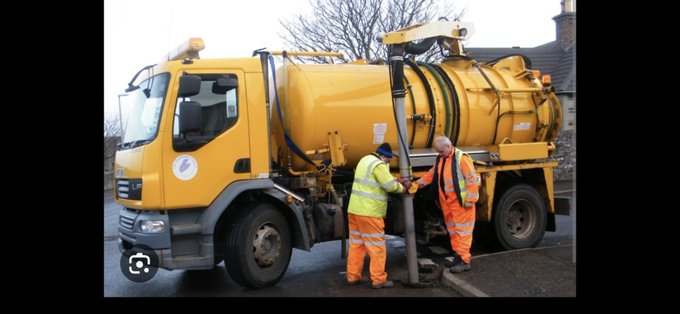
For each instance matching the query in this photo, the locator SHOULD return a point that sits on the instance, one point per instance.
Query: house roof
(548, 58)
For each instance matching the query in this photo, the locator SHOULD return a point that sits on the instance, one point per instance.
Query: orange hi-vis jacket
(468, 180)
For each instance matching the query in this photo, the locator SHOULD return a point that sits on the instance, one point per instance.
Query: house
(556, 58)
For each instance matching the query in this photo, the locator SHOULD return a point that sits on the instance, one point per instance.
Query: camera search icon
(139, 263)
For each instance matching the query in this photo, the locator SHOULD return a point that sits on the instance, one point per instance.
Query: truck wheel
(519, 218)
(258, 247)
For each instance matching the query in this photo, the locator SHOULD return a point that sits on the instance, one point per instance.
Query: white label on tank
(263, 175)
(522, 126)
(378, 138)
(185, 167)
(379, 130)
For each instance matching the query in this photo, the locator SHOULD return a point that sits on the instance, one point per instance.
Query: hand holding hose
(409, 186)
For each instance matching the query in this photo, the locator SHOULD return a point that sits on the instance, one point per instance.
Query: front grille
(130, 189)
(126, 222)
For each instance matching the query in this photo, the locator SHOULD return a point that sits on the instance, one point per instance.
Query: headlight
(152, 226)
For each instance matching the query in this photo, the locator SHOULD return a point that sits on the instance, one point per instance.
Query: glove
(403, 180)
(406, 184)
(413, 188)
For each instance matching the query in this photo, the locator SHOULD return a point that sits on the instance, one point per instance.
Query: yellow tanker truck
(224, 160)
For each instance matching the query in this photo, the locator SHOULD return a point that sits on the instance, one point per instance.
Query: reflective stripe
(459, 172)
(448, 181)
(369, 183)
(375, 184)
(467, 224)
(473, 180)
(421, 181)
(355, 232)
(373, 235)
(449, 189)
(450, 226)
(464, 232)
(370, 167)
(375, 243)
(473, 195)
(358, 241)
(373, 196)
(389, 184)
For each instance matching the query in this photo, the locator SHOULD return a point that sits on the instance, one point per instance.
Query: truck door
(201, 163)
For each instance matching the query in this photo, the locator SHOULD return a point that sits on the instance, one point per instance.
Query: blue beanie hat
(385, 149)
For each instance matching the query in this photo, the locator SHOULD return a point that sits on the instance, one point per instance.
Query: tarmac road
(320, 272)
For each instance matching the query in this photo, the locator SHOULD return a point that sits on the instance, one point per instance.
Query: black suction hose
(455, 130)
(430, 99)
(423, 46)
(413, 105)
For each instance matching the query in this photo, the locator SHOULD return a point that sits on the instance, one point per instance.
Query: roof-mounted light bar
(188, 49)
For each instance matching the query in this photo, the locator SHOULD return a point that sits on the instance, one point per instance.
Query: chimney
(565, 24)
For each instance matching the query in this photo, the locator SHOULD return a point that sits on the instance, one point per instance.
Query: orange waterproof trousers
(366, 234)
(459, 222)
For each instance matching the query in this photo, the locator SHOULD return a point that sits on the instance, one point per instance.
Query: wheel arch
(540, 179)
(294, 217)
(226, 200)
(216, 217)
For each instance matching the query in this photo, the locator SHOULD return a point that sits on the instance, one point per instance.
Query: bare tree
(112, 127)
(350, 26)
(112, 136)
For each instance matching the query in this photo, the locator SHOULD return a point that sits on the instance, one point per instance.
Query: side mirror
(190, 118)
(189, 85)
(224, 84)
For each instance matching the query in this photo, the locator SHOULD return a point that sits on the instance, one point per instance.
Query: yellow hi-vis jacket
(372, 182)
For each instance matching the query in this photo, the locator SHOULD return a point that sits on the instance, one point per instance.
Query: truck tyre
(519, 218)
(258, 247)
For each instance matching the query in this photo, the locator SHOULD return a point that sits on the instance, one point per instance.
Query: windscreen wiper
(132, 144)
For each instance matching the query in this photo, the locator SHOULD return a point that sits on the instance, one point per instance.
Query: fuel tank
(474, 104)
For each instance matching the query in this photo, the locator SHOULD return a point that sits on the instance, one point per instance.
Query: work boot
(460, 267)
(386, 284)
(455, 261)
(357, 282)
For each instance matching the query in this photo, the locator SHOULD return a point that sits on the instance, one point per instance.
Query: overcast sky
(140, 32)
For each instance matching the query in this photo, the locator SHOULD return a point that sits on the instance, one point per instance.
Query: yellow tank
(355, 101)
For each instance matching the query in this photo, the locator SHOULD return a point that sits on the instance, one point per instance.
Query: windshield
(145, 111)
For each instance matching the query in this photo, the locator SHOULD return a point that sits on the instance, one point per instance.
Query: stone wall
(565, 154)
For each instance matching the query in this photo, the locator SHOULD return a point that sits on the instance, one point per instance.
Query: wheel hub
(266, 246)
(518, 220)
